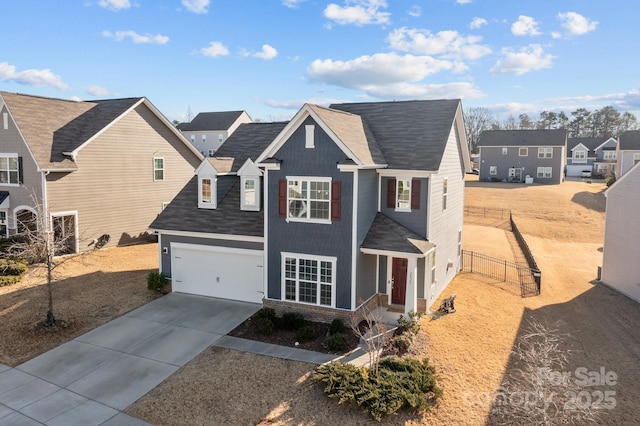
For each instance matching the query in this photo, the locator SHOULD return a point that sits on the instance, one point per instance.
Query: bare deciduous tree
(477, 120)
(373, 332)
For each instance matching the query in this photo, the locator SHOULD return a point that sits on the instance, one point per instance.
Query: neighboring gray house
(628, 151)
(339, 207)
(515, 155)
(595, 155)
(620, 265)
(208, 130)
(93, 168)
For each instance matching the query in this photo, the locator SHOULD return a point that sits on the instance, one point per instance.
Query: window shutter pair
(335, 199)
(415, 194)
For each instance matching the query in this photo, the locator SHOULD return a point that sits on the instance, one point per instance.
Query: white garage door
(575, 170)
(227, 273)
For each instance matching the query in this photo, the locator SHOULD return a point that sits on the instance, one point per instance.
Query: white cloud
(530, 58)
(415, 11)
(449, 44)
(463, 1)
(292, 4)
(576, 24)
(215, 49)
(358, 12)
(115, 4)
(296, 104)
(556, 34)
(136, 38)
(97, 90)
(31, 77)
(267, 53)
(525, 25)
(377, 70)
(477, 23)
(197, 6)
(462, 90)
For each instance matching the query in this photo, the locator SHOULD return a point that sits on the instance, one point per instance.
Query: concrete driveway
(91, 379)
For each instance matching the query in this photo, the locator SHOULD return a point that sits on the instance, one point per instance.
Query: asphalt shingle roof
(412, 135)
(630, 140)
(523, 138)
(591, 143)
(53, 126)
(386, 234)
(247, 141)
(211, 121)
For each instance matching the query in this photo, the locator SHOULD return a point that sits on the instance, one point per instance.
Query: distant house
(94, 168)
(208, 130)
(620, 265)
(595, 155)
(514, 155)
(337, 208)
(628, 151)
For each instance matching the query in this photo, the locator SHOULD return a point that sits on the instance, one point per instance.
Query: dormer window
(403, 195)
(206, 192)
(250, 197)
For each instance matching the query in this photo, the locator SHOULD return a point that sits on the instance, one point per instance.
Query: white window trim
(193, 138)
(408, 208)
(214, 192)
(309, 179)
(204, 138)
(298, 256)
(493, 170)
(211, 152)
(609, 155)
(526, 152)
(636, 158)
(76, 224)
(543, 174)
(256, 185)
(5, 223)
(156, 169)
(220, 137)
(309, 141)
(545, 152)
(7, 156)
(505, 151)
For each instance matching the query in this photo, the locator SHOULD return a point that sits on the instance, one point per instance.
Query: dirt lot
(471, 348)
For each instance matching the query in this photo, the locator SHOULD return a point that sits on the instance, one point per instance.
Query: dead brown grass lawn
(88, 291)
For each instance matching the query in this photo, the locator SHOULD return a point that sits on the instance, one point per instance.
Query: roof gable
(221, 120)
(579, 147)
(248, 141)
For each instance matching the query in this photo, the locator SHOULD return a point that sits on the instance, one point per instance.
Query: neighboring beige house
(620, 266)
(208, 130)
(628, 152)
(95, 168)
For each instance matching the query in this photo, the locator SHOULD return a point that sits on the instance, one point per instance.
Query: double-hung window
(403, 194)
(579, 156)
(523, 152)
(545, 152)
(544, 172)
(493, 170)
(636, 158)
(608, 155)
(9, 170)
(309, 199)
(250, 196)
(309, 279)
(207, 192)
(158, 168)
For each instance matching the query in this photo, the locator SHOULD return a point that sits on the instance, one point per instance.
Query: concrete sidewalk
(91, 379)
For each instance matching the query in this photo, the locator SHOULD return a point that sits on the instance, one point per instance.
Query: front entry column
(411, 298)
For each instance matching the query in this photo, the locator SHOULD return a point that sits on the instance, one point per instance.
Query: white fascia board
(606, 142)
(228, 237)
(249, 168)
(408, 173)
(353, 167)
(390, 253)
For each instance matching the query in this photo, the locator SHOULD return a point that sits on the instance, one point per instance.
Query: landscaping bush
(399, 384)
(9, 279)
(610, 180)
(305, 334)
(265, 325)
(337, 326)
(410, 324)
(156, 280)
(337, 342)
(13, 267)
(268, 313)
(292, 320)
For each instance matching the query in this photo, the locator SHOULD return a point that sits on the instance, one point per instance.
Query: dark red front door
(399, 280)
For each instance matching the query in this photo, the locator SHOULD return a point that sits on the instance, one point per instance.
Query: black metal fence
(531, 261)
(502, 270)
(487, 212)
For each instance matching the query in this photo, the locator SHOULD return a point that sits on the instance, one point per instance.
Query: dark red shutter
(282, 198)
(391, 194)
(335, 200)
(415, 194)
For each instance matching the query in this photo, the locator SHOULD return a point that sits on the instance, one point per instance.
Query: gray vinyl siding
(414, 220)
(445, 224)
(625, 161)
(492, 156)
(382, 275)
(333, 239)
(620, 266)
(11, 142)
(113, 190)
(165, 240)
(367, 210)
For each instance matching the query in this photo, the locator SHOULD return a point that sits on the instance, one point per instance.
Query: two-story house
(339, 207)
(208, 130)
(515, 155)
(597, 156)
(628, 151)
(96, 170)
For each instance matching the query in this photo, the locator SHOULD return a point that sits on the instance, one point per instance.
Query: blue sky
(268, 57)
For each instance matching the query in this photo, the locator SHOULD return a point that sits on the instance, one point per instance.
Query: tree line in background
(605, 122)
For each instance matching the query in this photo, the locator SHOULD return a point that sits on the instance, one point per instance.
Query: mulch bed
(249, 330)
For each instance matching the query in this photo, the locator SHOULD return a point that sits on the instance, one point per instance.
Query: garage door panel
(237, 275)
